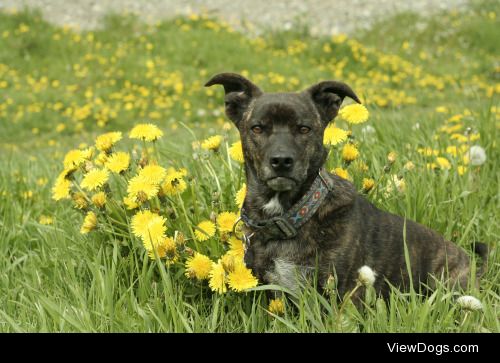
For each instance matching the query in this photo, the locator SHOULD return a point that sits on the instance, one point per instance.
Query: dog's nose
(282, 163)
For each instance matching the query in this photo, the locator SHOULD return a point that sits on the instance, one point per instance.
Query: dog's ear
(239, 93)
(328, 96)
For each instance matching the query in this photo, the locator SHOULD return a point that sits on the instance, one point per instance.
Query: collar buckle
(284, 226)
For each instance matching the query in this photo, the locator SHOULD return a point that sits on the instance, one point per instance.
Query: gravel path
(323, 16)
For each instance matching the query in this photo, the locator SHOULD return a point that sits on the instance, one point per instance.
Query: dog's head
(282, 133)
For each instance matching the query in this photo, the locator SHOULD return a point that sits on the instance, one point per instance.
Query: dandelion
(236, 152)
(99, 199)
(349, 152)
(366, 276)
(461, 170)
(174, 182)
(61, 189)
(368, 184)
(45, 220)
(240, 195)
(334, 135)
(80, 200)
(344, 174)
(150, 227)
(276, 306)
(89, 223)
(198, 266)
(469, 303)
(146, 132)
(94, 179)
(236, 248)
(130, 202)
(477, 155)
(229, 262)
(226, 221)
(443, 163)
(409, 166)
(118, 162)
(217, 278)
(212, 143)
(141, 189)
(204, 230)
(354, 114)
(391, 157)
(75, 158)
(241, 278)
(106, 141)
(396, 181)
(153, 173)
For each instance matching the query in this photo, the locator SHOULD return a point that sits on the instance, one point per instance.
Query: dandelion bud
(80, 201)
(391, 157)
(387, 168)
(368, 184)
(228, 262)
(366, 276)
(277, 307)
(330, 283)
(179, 238)
(99, 199)
(469, 303)
(213, 216)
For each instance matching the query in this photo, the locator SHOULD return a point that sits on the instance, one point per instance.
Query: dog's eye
(257, 129)
(304, 129)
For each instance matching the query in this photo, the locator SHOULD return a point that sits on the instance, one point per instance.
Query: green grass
(56, 279)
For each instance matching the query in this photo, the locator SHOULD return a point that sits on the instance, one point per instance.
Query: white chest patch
(273, 207)
(287, 274)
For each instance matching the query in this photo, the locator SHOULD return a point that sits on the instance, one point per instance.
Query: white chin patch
(273, 207)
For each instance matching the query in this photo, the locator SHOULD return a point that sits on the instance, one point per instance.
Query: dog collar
(286, 226)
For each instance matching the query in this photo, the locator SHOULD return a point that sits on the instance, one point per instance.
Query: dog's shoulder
(342, 194)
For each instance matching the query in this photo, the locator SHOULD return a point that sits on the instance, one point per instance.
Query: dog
(300, 220)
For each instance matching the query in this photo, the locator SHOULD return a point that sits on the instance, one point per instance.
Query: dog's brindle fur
(282, 139)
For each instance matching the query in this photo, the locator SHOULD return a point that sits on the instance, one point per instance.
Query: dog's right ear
(239, 93)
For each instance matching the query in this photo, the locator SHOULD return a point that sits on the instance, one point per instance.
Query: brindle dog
(282, 138)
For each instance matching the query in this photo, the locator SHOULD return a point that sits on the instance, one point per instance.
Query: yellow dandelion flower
(236, 152)
(428, 151)
(241, 278)
(225, 221)
(61, 189)
(349, 152)
(99, 199)
(174, 182)
(170, 247)
(141, 189)
(391, 157)
(74, 159)
(217, 278)
(236, 248)
(198, 266)
(165, 247)
(153, 173)
(461, 170)
(229, 262)
(204, 230)
(101, 159)
(150, 227)
(342, 173)
(409, 166)
(94, 179)
(212, 143)
(334, 135)
(130, 202)
(277, 307)
(106, 141)
(46, 220)
(118, 162)
(354, 114)
(80, 200)
(146, 132)
(368, 184)
(240, 195)
(443, 163)
(89, 223)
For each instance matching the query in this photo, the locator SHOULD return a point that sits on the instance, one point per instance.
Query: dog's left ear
(328, 96)
(239, 94)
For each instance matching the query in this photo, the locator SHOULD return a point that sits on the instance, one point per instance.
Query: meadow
(121, 178)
